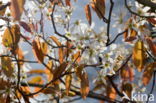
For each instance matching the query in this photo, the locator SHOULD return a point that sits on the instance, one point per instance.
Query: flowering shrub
(48, 49)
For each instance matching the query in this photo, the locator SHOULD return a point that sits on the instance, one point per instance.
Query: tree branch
(53, 23)
(109, 21)
(116, 38)
(91, 94)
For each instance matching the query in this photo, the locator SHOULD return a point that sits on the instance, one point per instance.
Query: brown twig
(54, 27)
(109, 21)
(116, 38)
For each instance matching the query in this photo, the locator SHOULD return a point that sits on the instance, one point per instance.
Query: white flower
(113, 47)
(141, 10)
(119, 19)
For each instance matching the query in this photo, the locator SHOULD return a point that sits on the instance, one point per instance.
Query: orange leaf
(61, 55)
(58, 2)
(25, 26)
(39, 50)
(24, 89)
(125, 34)
(49, 70)
(68, 3)
(68, 50)
(58, 71)
(58, 43)
(139, 55)
(68, 83)
(111, 93)
(79, 70)
(99, 7)
(16, 8)
(132, 35)
(88, 14)
(50, 90)
(152, 21)
(19, 52)
(127, 73)
(152, 45)
(56, 40)
(36, 71)
(36, 80)
(11, 37)
(7, 66)
(4, 84)
(76, 57)
(147, 75)
(84, 85)
(127, 88)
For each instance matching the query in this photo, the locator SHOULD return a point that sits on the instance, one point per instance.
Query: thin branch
(116, 38)
(150, 55)
(73, 100)
(26, 61)
(53, 23)
(109, 21)
(114, 86)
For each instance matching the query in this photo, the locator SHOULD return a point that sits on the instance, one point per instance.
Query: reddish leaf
(127, 88)
(84, 85)
(129, 37)
(99, 7)
(127, 73)
(39, 49)
(36, 71)
(61, 55)
(49, 70)
(60, 51)
(147, 75)
(125, 34)
(152, 45)
(58, 2)
(57, 42)
(68, 3)
(20, 55)
(111, 93)
(152, 21)
(36, 79)
(7, 66)
(79, 70)
(76, 57)
(25, 26)
(88, 14)
(68, 83)
(58, 71)
(4, 84)
(16, 8)
(11, 37)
